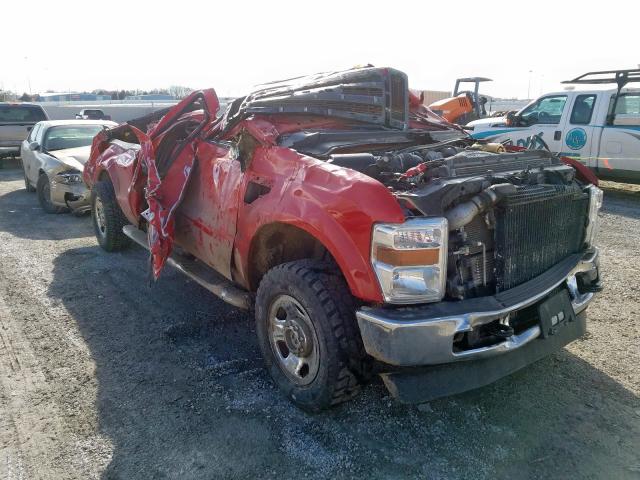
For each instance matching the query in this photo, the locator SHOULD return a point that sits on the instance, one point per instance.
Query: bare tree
(179, 91)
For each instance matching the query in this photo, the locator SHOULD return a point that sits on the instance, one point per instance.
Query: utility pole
(26, 63)
(529, 86)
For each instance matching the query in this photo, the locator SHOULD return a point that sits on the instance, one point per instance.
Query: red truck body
(362, 227)
(214, 221)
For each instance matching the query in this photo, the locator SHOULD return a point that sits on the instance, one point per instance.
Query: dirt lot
(102, 376)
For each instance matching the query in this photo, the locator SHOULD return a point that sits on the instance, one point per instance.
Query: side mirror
(513, 119)
(34, 146)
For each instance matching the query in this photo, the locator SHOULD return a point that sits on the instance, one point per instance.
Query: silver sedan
(53, 158)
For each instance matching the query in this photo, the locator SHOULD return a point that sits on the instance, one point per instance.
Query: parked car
(600, 127)
(92, 114)
(16, 121)
(369, 234)
(53, 158)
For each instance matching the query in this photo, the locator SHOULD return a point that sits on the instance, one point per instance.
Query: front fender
(51, 165)
(337, 206)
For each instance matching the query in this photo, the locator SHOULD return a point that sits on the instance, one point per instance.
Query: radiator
(536, 228)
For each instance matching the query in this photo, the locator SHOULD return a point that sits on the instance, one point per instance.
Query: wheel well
(279, 243)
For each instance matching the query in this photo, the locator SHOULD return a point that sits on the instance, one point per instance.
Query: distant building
(71, 97)
(150, 97)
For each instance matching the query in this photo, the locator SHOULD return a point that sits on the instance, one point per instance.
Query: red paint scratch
(199, 225)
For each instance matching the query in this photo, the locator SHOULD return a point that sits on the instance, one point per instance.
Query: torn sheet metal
(165, 192)
(163, 198)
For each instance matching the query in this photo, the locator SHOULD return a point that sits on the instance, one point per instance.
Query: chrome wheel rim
(101, 222)
(293, 340)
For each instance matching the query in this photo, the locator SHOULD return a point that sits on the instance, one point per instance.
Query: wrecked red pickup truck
(369, 235)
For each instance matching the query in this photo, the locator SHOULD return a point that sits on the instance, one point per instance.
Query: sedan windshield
(70, 136)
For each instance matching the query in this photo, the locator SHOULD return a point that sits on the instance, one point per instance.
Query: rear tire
(27, 184)
(107, 218)
(43, 189)
(307, 331)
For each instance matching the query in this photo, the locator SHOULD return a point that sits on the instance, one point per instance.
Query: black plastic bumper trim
(417, 385)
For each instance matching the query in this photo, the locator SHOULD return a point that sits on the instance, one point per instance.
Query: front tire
(43, 189)
(107, 218)
(306, 326)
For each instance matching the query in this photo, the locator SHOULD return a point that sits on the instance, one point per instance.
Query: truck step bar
(200, 273)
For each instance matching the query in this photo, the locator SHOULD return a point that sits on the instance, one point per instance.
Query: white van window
(582, 109)
(547, 110)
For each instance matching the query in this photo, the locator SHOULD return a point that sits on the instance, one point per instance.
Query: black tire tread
(338, 305)
(28, 187)
(47, 206)
(115, 239)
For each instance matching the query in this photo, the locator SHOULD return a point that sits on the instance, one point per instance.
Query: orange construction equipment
(465, 105)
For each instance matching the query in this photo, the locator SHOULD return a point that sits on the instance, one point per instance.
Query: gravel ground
(104, 376)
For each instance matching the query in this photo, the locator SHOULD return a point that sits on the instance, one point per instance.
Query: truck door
(619, 156)
(546, 118)
(580, 133)
(206, 221)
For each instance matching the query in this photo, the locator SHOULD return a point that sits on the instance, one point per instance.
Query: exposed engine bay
(511, 216)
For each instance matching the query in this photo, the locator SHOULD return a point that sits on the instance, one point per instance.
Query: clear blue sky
(232, 45)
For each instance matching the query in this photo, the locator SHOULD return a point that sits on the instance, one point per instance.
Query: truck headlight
(410, 260)
(595, 202)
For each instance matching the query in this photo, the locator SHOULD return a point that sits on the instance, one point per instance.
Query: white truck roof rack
(619, 77)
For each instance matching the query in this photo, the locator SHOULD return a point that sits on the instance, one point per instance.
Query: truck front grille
(536, 228)
(399, 100)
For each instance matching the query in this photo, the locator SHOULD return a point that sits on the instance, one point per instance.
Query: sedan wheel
(43, 188)
(27, 184)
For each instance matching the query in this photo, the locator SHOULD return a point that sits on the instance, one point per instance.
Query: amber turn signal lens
(408, 258)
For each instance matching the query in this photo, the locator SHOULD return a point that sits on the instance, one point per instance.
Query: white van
(600, 127)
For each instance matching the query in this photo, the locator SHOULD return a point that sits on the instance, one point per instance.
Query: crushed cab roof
(371, 95)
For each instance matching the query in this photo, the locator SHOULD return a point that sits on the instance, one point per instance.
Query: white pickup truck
(600, 127)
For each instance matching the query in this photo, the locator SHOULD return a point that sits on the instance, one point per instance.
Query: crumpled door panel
(164, 192)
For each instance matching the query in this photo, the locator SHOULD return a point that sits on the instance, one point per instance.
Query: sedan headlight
(595, 202)
(410, 260)
(69, 178)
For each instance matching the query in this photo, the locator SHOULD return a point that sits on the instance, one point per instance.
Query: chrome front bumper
(416, 336)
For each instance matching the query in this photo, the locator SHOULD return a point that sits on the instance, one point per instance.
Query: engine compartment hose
(463, 213)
